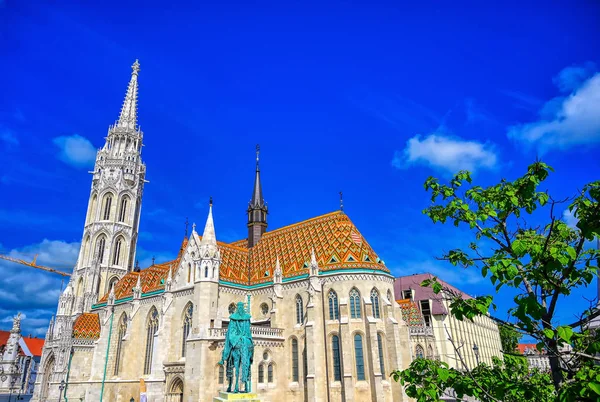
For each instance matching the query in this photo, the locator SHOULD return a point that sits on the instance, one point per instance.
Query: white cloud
(75, 150)
(569, 219)
(568, 121)
(31, 291)
(453, 275)
(446, 153)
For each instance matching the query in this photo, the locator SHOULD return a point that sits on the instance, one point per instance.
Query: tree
(509, 337)
(542, 263)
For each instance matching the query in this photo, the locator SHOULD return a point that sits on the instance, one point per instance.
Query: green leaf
(549, 333)
(437, 287)
(565, 333)
(594, 386)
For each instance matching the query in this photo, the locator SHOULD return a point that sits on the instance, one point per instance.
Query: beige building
(324, 320)
(431, 325)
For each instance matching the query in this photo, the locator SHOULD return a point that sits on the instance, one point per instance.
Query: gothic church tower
(113, 215)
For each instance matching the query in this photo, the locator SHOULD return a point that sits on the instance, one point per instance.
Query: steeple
(257, 209)
(128, 117)
(209, 236)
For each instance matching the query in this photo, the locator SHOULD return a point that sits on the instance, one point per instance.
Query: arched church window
(112, 282)
(117, 255)
(100, 249)
(335, 348)
(231, 308)
(429, 352)
(380, 350)
(270, 373)
(355, 303)
(151, 328)
(206, 272)
(419, 352)
(187, 326)
(295, 374)
(334, 308)
(359, 357)
(123, 209)
(122, 332)
(261, 373)
(107, 205)
(375, 303)
(299, 310)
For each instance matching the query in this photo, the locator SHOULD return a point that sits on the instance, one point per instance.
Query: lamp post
(60, 388)
(476, 351)
(132, 400)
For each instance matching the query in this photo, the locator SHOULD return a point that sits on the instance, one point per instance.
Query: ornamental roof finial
(128, 117)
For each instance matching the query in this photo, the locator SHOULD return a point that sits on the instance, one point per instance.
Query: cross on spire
(341, 201)
(153, 258)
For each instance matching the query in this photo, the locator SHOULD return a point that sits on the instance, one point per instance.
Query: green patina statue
(239, 349)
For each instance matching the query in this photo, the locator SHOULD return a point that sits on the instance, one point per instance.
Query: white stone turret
(209, 258)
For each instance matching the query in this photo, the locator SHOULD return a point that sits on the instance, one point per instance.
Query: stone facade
(324, 320)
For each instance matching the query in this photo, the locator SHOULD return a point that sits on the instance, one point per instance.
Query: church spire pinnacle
(128, 117)
(257, 209)
(209, 236)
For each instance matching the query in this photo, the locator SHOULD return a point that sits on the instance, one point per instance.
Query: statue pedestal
(230, 396)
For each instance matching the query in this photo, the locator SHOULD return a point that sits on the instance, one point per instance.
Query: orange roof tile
(87, 326)
(35, 345)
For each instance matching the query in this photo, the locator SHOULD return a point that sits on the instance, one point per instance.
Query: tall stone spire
(257, 209)
(128, 117)
(209, 236)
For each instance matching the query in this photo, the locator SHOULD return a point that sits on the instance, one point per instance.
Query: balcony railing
(257, 332)
(423, 331)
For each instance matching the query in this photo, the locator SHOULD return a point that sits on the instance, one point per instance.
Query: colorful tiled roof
(335, 239)
(87, 326)
(411, 313)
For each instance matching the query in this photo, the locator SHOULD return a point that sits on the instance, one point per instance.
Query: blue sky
(366, 98)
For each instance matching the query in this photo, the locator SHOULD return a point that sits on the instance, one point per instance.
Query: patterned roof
(335, 239)
(411, 313)
(87, 326)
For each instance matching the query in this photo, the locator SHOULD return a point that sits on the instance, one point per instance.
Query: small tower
(257, 209)
(8, 359)
(112, 222)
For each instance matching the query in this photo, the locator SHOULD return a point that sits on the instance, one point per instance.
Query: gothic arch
(176, 390)
(108, 205)
(419, 352)
(92, 207)
(355, 303)
(112, 281)
(186, 325)
(124, 208)
(86, 250)
(152, 322)
(375, 303)
(47, 376)
(99, 249)
(119, 251)
(79, 289)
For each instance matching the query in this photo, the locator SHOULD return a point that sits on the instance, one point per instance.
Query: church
(325, 323)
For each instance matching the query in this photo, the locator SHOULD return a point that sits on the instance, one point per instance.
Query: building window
(407, 294)
(101, 246)
(358, 354)
(123, 211)
(221, 374)
(295, 375)
(187, 326)
(380, 348)
(426, 311)
(261, 373)
(375, 303)
(206, 272)
(419, 352)
(299, 310)
(354, 303)
(270, 373)
(122, 332)
(264, 308)
(389, 296)
(337, 368)
(112, 282)
(107, 204)
(334, 308)
(151, 328)
(117, 255)
(231, 308)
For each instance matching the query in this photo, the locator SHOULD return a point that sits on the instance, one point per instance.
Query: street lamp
(476, 350)
(132, 400)
(61, 387)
